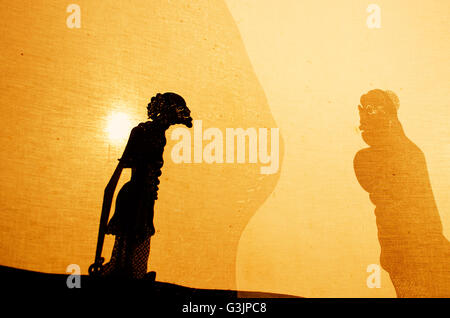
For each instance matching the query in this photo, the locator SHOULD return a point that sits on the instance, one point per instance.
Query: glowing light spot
(119, 127)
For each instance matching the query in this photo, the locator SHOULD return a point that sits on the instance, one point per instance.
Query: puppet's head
(169, 109)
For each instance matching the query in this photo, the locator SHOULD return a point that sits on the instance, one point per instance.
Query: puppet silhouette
(393, 171)
(132, 222)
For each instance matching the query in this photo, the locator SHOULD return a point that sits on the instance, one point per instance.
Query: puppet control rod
(96, 268)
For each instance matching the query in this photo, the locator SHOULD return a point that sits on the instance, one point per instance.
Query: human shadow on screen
(393, 171)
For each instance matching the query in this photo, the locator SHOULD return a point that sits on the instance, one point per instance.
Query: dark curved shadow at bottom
(23, 280)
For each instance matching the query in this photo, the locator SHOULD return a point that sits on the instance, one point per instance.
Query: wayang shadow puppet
(132, 222)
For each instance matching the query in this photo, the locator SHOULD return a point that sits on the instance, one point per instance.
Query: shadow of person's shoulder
(412, 151)
(363, 155)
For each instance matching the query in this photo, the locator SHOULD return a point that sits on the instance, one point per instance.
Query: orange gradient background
(308, 230)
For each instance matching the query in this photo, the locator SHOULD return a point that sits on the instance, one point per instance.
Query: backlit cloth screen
(261, 194)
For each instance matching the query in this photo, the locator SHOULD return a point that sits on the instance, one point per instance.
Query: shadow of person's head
(378, 116)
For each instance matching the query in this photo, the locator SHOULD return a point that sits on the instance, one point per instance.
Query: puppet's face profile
(169, 108)
(181, 115)
(377, 113)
